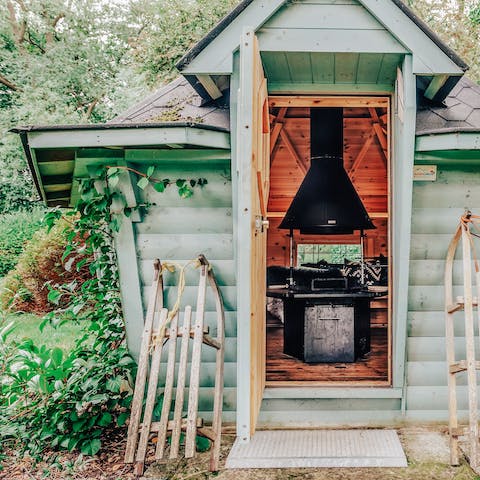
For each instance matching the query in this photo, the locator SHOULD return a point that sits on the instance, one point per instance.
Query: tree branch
(32, 42)
(9, 84)
(17, 28)
(91, 106)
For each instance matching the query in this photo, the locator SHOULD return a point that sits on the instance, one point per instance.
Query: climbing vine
(67, 399)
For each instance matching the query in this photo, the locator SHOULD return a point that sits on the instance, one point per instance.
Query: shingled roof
(178, 102)
(460, 113)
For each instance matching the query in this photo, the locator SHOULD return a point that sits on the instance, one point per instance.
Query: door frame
(402, 160)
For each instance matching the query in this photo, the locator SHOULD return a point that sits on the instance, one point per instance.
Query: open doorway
(329, 292)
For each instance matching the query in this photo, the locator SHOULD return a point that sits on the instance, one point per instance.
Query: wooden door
(254, 174)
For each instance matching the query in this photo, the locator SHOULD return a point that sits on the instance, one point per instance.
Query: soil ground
(426, 449)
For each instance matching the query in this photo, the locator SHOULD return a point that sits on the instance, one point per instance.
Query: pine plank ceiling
(331, 68)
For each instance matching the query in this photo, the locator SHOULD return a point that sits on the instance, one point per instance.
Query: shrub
(15, 230)
(41, 265)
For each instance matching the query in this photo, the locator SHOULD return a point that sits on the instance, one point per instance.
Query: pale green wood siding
(437, 207)
(177, 230)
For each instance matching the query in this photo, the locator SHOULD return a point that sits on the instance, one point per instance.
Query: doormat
(318, 448)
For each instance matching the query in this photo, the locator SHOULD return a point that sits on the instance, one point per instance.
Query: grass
(27, 326)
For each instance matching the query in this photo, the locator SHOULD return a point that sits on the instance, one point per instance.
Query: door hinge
(261, 223)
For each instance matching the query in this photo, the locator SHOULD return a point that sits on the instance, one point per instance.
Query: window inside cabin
(313, 253)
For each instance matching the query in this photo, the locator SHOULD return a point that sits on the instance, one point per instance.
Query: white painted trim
(128, 137)
(448, 141)
(333, 392)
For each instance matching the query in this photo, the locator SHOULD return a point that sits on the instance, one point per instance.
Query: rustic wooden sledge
(466, 303)
(162, 330)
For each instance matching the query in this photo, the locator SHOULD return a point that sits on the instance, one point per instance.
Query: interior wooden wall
(365, 159)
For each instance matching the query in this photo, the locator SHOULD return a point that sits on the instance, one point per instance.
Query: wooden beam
(281, 114)
(435, 85)
(361, 155)
(274, 137)
(326, 101)
(381, 135)
(286, 139)
(210, 86)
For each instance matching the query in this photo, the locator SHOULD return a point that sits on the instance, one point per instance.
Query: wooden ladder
(155, 338)
(465, 304)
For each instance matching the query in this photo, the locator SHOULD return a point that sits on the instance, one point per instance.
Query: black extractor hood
(326, 202)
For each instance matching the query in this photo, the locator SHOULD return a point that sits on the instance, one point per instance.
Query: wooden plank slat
(156, 300)
(182, 375)
(326, 101)
(195, 365)
(151, 392)
(470, 348)
(167, 393)
(219, 374)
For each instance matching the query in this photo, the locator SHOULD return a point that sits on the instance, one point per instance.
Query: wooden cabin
(240, 114)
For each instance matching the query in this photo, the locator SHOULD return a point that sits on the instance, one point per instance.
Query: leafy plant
(66, 400)
(15, 230)
(42, 263)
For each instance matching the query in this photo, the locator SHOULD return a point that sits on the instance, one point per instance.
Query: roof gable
(401, 29)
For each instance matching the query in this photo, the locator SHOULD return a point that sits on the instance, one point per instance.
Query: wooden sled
(161, 332)
(465, 304)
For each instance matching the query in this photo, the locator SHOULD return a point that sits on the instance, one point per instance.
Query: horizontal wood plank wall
(437, 207)
(177, 230)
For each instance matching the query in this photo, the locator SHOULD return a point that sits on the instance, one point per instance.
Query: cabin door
(254, 171)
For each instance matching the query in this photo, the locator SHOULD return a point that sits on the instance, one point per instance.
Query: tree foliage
(457, 22)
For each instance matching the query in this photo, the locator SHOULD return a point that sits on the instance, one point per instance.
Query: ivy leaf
(112, 171)
(185, 191)
(95, 170)
(142, 183)
(106, 419)
(113, 181)
(56, 355)
(202, 443)
(180, 182)
(122, 418)
(193, 183)
(54, 296)
(91, 447)
(113, 384)
(159, 187)
(150, 171)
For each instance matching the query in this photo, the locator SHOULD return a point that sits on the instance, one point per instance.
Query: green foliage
(84, 61)
(457, 24)
(49, 398)
(67, 399)
(41, 262)
(15, 230)
(172, 27)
